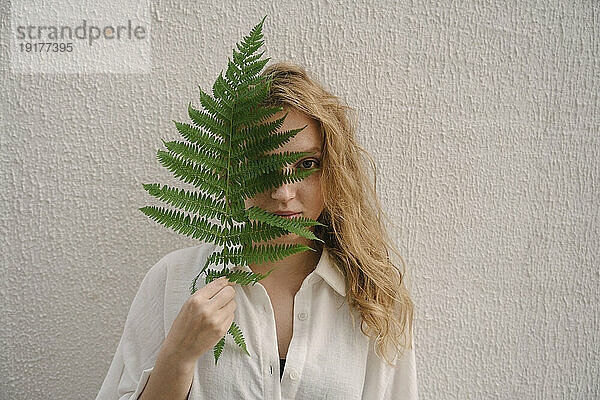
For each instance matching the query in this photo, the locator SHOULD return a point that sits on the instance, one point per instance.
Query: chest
(323, 340)
(283, 308)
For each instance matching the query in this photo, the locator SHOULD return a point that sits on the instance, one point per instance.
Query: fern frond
(257, 254)
(223, 91)
(256, 167)
(200, 138)
(255, 57)
(222, 113)
(252, 41)
(225, 156)
(212, 274)
(253, 68)
(256, 147)
(195, 154)
(247, 117)
(198, 227)
(194, 202)
(206, 121)
(290, 224)
(252, 134)
(247, 277)
(248, 99)
(189, 172)
(271, 252)
(274, 179)
(257, 231)
(218, 349)
(233, 72)
(238, 337)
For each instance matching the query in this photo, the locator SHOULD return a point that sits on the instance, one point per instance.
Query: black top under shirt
(281, 366)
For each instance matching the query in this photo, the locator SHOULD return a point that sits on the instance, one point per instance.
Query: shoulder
(187, 256)
(180, 264)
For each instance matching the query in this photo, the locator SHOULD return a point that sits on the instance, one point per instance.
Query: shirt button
(294, 375)
(302, 316)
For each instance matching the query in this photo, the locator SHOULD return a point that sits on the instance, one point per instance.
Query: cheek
(250, 202)
(314, 190)
(258, 200)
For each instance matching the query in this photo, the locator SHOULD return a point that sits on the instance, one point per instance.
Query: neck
(291, 271)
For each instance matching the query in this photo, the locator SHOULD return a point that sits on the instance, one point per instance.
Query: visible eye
(308, 163)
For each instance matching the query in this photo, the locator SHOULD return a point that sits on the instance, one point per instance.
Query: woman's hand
(202, 321)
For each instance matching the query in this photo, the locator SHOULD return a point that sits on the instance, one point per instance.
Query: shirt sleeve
(141, 340)
(403, 382)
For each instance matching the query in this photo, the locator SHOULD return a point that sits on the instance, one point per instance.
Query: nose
(286, 191)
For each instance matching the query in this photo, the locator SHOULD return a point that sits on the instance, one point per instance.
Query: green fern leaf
(238, 337)
(193, 202)
(206, 121)
(218, 349)
(198, 227)
(225, 157)
(195, 154)
(293, 225)
(190, 173)
(212, 274)
(273, 179)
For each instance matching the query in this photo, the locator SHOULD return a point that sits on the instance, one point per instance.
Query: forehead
(308, 139)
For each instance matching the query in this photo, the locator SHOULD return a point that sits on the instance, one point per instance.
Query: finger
(229, 307)
(223, 297)
(227, 313)
(213, 288)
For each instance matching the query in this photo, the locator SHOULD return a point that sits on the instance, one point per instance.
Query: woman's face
(304, 197)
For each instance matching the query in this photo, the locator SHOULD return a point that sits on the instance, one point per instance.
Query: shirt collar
(330, 273)
(327, 270)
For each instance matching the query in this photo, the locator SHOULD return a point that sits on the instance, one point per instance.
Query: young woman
(303, 342)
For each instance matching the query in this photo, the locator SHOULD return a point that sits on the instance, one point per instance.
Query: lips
(287, 214)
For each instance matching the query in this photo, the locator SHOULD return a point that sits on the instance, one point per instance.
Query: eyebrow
(312, 150)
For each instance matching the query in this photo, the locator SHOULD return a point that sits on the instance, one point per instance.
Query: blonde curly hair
(354, 234)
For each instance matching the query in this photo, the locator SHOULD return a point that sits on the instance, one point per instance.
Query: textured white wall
(483, 118)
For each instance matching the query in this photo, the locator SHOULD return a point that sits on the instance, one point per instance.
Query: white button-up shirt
(326, 358)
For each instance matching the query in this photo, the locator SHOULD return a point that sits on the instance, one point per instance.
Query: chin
(290, 238)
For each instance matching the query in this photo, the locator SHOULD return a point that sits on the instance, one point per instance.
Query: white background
(121, 54)
(483, 119)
